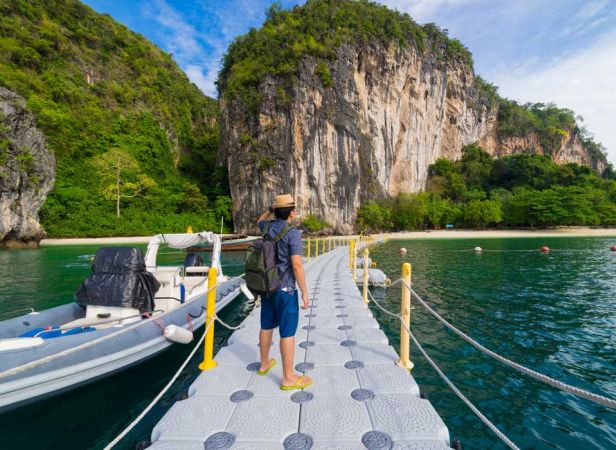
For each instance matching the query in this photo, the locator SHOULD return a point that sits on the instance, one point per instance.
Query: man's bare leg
(287, 350)
(265, 343)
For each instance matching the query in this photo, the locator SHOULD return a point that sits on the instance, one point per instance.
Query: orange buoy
(545, 249)
(613, 248)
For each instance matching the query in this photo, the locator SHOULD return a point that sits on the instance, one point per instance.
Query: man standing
(281, 309)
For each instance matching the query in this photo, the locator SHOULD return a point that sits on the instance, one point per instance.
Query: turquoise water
(555, 313)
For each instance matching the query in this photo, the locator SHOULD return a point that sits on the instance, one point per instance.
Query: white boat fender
(177, 334)
(246, 291)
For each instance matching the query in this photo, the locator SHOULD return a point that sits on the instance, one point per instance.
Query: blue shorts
(281, 309)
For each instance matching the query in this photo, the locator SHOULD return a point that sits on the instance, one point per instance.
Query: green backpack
(262, 275)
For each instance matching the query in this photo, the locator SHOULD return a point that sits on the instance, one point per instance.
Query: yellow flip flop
(272, 363)
(298, 385)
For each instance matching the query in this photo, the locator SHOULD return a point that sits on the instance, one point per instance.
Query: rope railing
(444, 377)
(461, 396)
(148, 408)
(605, 401)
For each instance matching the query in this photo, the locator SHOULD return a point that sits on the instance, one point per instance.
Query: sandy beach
(430, 234)
(485, 234)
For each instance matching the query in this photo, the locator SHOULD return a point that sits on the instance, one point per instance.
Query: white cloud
(181, 36)
(233, 18)
(424, 10)
(584, 82)
(590, 9)
(205, 82)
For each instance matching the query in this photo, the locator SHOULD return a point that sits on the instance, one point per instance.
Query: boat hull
(111, 351)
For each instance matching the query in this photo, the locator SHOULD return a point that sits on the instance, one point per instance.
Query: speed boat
(128, 310)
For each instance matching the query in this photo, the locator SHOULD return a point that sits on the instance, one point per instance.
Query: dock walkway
(360, 398)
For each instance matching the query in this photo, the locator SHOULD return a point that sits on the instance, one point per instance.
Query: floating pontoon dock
(360, 397)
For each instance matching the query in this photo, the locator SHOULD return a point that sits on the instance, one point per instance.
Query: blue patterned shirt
(289, 245)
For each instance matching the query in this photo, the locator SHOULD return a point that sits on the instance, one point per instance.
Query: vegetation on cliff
(318, 29)
(110, 101)
(550, 123)
(477, 191)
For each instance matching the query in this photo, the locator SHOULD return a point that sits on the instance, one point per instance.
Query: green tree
(410, 211)
(121, 177)
(480, 213)
(373, 217)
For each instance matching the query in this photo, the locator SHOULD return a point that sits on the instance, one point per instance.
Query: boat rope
(605, 401)
(453, 387)
(148, 408)
(47, 359)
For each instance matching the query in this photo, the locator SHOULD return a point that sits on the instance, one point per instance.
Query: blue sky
(552, 50)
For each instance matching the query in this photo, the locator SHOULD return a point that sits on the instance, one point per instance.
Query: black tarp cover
(119, 278)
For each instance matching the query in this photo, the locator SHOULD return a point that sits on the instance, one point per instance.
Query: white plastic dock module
(360, 398)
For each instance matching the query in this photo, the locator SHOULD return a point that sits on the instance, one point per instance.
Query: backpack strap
(283, 232)
(265, 234)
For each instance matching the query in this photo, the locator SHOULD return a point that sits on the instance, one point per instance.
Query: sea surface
(555, 313)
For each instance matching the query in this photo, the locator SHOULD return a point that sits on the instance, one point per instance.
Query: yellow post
(365, 293)
(208, 351)
(323, 247)
(308, 249)
(351, 253)
(189, 229)
(316, 247)
(405, 312)
(354, 259)
(329, 245)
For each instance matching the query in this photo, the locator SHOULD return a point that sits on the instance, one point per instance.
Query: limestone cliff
(388, 114)
(27, 171)
(339, 102)
(570, 149)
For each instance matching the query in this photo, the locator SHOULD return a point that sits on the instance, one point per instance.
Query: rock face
(27, 171)
(571, 148)
(371, 131)
(388, 115)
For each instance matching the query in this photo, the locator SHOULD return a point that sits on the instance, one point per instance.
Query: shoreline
(399, 235)
(489, 234)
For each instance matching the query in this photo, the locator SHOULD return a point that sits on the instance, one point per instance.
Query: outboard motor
(119, 279)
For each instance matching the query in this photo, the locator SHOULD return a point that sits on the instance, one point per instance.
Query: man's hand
(305, 300)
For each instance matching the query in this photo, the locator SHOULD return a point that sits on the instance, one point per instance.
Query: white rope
(605, 401)
(170, 383)
(226, 325)
(160, 394)
(460, 395)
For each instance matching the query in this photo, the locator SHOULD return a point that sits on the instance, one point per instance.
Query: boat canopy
(184, 240)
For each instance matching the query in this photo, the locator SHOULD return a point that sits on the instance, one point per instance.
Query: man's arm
(298, 271)
(265, 216)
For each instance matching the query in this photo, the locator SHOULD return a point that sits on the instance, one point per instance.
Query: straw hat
(283, 201)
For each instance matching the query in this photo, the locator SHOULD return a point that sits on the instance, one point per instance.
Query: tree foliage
(317, 29)
(95, 86)
(477, 191)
